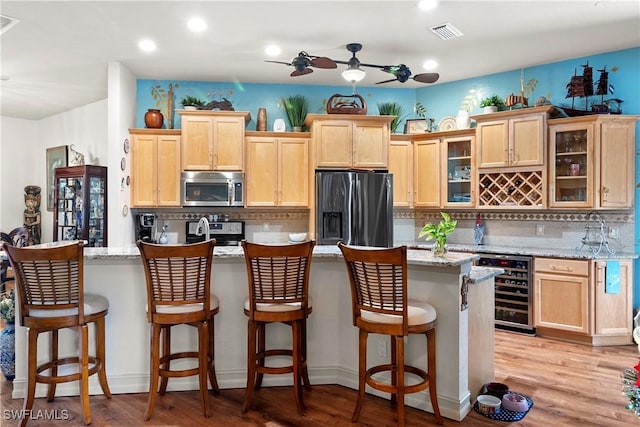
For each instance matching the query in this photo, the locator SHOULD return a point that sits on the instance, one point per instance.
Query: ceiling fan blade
(323, 62)
(296, 73)
(426, 77)
(279, 62)
(387, 81)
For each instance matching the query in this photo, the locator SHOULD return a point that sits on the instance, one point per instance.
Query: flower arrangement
(8, 306)
(439, 232)
(631, 382)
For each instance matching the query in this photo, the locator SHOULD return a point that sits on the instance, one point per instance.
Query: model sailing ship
(582, 86)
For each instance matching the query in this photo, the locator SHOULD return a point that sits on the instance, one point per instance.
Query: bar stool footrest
(388, 388)
(94, 366)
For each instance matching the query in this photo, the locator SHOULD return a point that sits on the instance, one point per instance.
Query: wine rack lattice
(522, 189)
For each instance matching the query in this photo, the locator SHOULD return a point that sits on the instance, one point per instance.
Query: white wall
(21, 163)
(97, 130)
(84, 127)
(122, 116)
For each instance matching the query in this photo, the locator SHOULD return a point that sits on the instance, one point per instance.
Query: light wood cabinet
(213, 140)
(561, 298)
(426, 173)
(401, 166)
(350, 141)
(591, 162)
(155, 168)
(459, 177)
(277, 171)
(613, 311)
(571, 301)
(512, 138)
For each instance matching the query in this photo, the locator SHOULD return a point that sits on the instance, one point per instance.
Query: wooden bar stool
(378, 280)
(50, 290)
(278, 278)
(179, 292)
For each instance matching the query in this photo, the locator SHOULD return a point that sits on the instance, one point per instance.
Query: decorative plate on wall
(123, 164)
(447, 123)
(126, 145)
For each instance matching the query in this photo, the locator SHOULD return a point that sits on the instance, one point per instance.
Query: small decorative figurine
(32, 213)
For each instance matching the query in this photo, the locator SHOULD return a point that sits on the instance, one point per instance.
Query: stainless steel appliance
(212, 188)
(355, 208)
(514, 291)
(226, 233)
(146, 227)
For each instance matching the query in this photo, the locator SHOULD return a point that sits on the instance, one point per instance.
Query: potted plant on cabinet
(391, 109)
(438, 233)
(191, 103)
(492, 104)
(296, 109)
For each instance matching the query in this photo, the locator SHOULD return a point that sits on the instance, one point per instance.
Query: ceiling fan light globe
(353, 75)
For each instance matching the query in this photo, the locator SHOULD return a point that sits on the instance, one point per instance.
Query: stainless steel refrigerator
(355, 208)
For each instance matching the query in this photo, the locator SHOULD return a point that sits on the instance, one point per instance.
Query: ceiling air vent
(7, 22)
(446, 31)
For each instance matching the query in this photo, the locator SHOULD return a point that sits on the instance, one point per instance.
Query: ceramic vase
(153, 119)
(463, 120)
(8, 351)
(261, 124)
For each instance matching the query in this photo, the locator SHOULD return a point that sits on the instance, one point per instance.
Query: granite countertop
(585, 253)
(414, 257)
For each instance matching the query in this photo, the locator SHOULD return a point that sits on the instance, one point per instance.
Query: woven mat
(505, 414)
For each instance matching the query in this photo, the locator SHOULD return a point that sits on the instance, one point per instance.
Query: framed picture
(56, 158)
(412, 126)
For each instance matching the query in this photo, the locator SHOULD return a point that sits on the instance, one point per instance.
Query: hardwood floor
(570, 384)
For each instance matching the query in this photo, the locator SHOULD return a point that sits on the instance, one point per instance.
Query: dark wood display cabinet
(81, 204)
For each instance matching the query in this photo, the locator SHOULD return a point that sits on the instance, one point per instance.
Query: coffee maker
(146, 227)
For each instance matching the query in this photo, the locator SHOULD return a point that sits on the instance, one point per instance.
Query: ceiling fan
(303, 63)
(401, 72)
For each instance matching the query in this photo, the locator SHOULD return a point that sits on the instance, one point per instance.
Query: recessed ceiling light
(147, 45)
(273, 50)
(427, 4)
(429, 64)
(197, 25)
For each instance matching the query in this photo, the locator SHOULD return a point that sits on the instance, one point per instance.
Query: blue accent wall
(440, 100)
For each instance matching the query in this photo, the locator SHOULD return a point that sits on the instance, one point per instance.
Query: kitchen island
(462, 295)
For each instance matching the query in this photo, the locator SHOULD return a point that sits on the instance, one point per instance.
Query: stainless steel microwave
(212, 188)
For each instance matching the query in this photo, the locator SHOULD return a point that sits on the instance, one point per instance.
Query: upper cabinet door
(293, 172)
(197, 143)
(228, 143)
(493, 144)
(144, 170)
(401, 166)
(168, 170)
(426, 183)
(333, 140)
(616, 154)
(370, 145)
(527, 137)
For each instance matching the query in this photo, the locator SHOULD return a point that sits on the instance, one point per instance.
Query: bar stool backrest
(177, 275)
(49, 280)
(278, 274)
(18, 237)
(378, 278)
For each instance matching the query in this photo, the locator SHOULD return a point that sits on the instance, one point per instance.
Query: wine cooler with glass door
(513, 291)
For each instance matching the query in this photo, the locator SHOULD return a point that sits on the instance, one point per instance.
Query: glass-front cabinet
(81, 204)
(458, 167)
(571, 165)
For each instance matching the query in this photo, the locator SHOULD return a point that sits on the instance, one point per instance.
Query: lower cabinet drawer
(562, 266)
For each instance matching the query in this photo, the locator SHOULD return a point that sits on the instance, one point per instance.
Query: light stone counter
(332, 339)
(551, 252)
